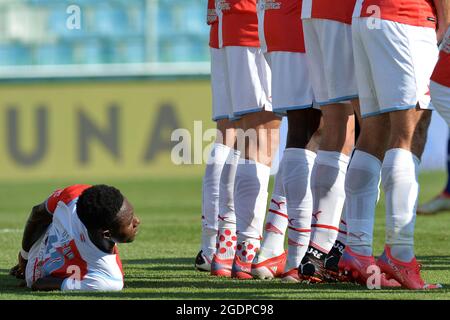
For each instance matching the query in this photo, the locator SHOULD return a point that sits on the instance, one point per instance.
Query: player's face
(126, 224)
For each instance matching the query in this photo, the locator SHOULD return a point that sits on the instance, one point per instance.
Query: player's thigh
(226, 132)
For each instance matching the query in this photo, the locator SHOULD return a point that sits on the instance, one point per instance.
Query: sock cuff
(219, 153)
(365, 161)
(233, 156)
(399, 157)
(250, 167)
(295, 154)
(333, 159)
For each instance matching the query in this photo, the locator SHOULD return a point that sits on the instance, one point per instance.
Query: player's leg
(224, 246)
(363, 174)
(400, 171)
(291, 95)
(335, 254)
(220, 154)
(400, 167)
(252, 179)
(221, 104)
(441, 100)
(328, 46)
(400, 178)
(257, 139)
(327, 183)
(410, 67)
(271, 258)
(303, 141)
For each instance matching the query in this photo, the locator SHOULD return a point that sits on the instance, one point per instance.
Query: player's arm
(47, 284)
(36, 225)
(443, 15)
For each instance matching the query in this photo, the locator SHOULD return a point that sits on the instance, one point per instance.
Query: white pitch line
(10, 230)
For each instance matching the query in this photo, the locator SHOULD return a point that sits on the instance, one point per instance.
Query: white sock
(361, 186)
(250, 200)
(226, 236)
(401, 186)
(272, 244)
(327, 184)
(210, 199)
(297, 169)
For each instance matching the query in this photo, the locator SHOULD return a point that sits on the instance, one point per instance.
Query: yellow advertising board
(97, 129)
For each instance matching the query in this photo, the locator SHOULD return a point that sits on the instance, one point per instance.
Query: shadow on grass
(175, 278)
(434, 262)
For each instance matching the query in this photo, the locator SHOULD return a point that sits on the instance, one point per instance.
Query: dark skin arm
(37, 224)
(47, 284)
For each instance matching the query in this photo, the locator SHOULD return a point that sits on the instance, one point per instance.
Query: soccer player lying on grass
(69, 242)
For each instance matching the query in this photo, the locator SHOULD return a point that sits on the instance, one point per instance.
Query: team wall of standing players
(324, 64)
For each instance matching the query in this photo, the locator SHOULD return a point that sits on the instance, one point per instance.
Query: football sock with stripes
(275, 226)
(342, 235)
(327, 184)
(297, 169)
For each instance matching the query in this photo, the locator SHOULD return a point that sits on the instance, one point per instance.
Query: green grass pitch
(159, 264)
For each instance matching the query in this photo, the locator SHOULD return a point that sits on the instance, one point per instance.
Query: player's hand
(18, 271)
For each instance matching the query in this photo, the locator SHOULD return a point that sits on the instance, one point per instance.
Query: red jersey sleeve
(66, 195)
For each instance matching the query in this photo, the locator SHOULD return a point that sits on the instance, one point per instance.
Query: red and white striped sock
(327, 184)
(297, 168)
(276, 223)
(342, 235)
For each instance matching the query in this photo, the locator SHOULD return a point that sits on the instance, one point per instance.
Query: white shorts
(393, 65)
(291, 83)
(240, 82)
(440, 95)
(330, 57)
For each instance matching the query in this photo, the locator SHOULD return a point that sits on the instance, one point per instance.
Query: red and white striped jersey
(441, 73)
(336, 10)
(212, 20)
(421, 13)
(238, 23)
(65, 250)
(280, 25)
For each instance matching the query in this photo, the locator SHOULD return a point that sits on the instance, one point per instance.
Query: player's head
(104, 209)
